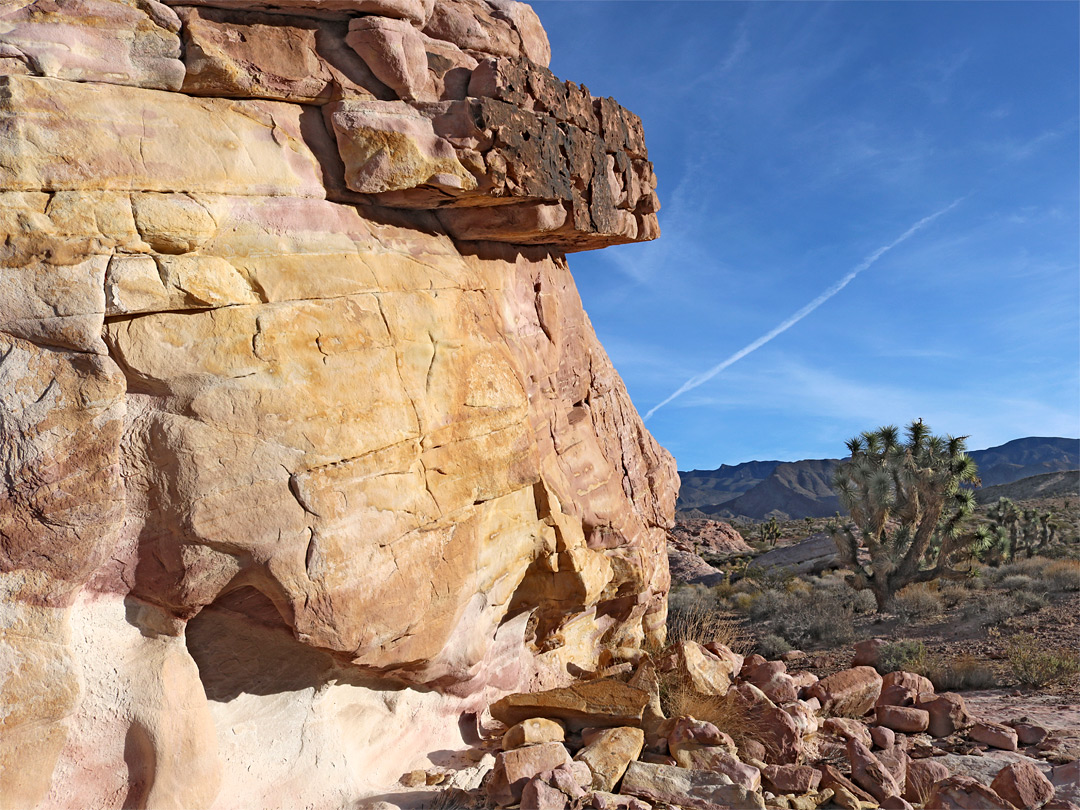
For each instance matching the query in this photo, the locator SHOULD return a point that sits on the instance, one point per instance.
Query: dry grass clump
(918, 601)
(1063, 575)
(728, 712)
(952, 594)
(965, 672)
(700, 620)
(1034, 666)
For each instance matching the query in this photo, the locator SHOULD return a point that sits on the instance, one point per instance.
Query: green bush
(908, 656)
(772, 646)
(1034, 666)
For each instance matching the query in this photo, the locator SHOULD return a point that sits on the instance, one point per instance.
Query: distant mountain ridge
(798, 489)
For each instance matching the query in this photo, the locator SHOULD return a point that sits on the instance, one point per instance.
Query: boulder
(514, 769)
(1023, 785)
(1030, 733)
(691, 789)
(882, 737)
(964, 793)
(996, 735)
(869, 773)
(608, 753)
(948, 712)
(532, 731)
(771, 678)
(868, 652)
(539, 795)
(922, 775)
(903, 718)
(849, 693)
(791, 778)
(601, 703)
(718, 759)
(848, 729)
(708, 674)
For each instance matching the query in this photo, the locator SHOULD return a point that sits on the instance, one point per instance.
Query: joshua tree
(907, 508)
(770, 532)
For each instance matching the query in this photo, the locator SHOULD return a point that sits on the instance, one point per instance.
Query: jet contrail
(705, 376)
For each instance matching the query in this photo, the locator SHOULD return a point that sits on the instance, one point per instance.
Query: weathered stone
(600, 703)
(771, 678)
(513, 770)
(394, 50)
(848, 729)
(1023, 785)
(895, 803)
(697, 790)
(707, 673)
(995, 735)
(687, 730)
(246, 54)
(948, 712)
(922, 775)
(112, 41)
(532, 731)
(806, 720)
(610, 801)
(772, 727)
(1029, 733)
(902, 688)
(869, 773)
(57, 140)
(832, 779)
(791, 778)
(868, 652)
(850, 692)
(882, 737)
(538, 795)
(963, 793)
(903, 718)
(718, 759)
(608, 754)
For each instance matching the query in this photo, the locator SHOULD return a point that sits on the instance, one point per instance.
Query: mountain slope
(797, 489)
(1047, 485)
(1022, 458)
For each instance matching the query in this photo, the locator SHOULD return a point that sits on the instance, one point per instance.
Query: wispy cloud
(704, 377)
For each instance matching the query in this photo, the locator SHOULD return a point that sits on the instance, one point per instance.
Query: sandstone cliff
(307, 447)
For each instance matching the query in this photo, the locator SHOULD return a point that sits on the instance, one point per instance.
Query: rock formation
(307, 447)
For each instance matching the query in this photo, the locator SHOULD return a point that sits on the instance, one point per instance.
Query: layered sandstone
(308, 448)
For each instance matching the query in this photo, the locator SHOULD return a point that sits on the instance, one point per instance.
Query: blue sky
(793, 141)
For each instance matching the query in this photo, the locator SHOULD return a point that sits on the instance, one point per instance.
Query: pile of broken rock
(854, 739)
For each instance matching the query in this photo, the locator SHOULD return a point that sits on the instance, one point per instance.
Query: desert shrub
(689, 597)
(953, 594)
(1034, 666)
(863, 602)
(1029, 567)
(769, 605)
(991, 608)
(1018, 582)
(1063, 575)
(798, 586)
(772, 646)
(965, 672)
(919, 601)
(1030, 602)
(744, 602)
(821, 618)
(909, 656)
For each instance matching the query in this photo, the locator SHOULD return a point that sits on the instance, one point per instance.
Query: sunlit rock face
(307, 447)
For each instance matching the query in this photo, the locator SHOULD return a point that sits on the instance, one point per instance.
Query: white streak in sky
(705, 376)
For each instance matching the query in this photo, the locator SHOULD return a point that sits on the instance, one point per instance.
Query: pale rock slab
(113, 41)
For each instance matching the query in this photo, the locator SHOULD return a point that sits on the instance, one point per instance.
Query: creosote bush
(1035, 666)
(772, 646)
(916, 602)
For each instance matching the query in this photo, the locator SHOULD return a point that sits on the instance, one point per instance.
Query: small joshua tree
(907, 508)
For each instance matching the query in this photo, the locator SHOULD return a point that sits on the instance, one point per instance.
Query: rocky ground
(761, 735)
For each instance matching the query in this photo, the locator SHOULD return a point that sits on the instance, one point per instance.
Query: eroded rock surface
(308, 448)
